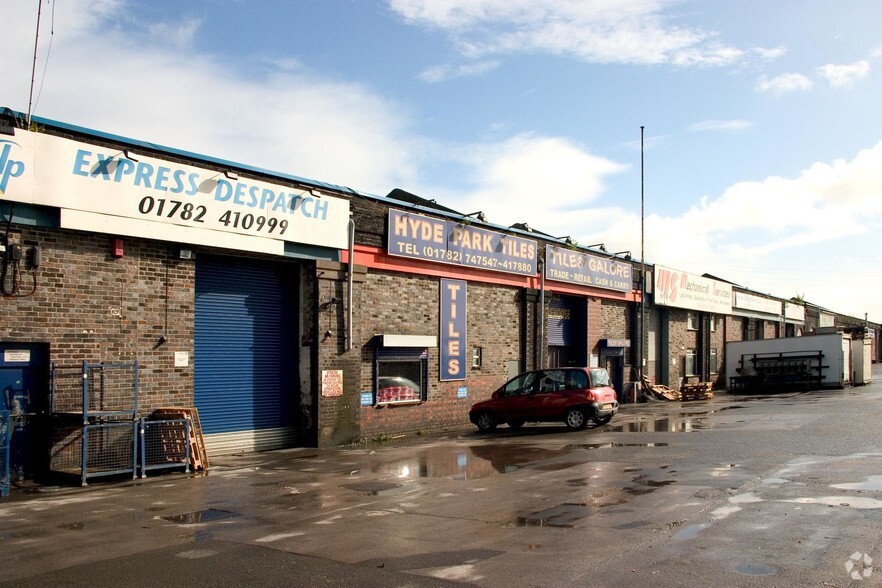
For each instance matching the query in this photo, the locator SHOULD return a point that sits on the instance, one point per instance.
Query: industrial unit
(291, 312)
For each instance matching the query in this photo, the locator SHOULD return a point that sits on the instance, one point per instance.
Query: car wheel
(602, 420)
(486, 421)
(576, 419)
(516, 423)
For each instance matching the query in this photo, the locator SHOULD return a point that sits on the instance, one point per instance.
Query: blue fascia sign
(453, 330)
(457, 243)
(566, 265)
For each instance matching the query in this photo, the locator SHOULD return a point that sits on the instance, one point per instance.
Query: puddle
(200, 516)
(644, 486)
(663, 425)
(373, 488)
(756, 570)
(690, 532)
(564, 515)
(872, 484)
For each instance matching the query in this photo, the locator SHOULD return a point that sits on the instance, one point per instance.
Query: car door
(514, 400)
(548, 400)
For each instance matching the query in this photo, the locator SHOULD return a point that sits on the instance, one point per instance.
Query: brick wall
(90, 306)
(405, 304)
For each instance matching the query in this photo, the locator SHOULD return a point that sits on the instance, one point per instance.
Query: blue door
(245, 364)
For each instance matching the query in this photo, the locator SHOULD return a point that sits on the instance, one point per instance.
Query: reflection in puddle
(200, 516)
(756, 570)
(480, 461)
(662, 425)
(564, 515)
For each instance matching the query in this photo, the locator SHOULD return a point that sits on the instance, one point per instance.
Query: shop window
(692, 321)
(749, 330)
(690, 369)
(477, 356)
(714, 362)
(402, 375)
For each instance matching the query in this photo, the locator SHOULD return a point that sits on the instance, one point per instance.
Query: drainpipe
(540, 328)
(350, 271)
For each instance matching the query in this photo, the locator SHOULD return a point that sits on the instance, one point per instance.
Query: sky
(745, 138)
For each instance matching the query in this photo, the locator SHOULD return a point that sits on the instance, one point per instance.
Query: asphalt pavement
(778, 490)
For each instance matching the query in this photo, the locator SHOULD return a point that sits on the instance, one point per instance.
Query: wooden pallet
(198, 455)
(697, 391)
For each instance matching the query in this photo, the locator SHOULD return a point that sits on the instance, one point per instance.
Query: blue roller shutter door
(244, 361)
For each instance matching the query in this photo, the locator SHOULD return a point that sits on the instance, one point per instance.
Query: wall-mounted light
(600, 246)
(231, 174)
(617, 253)
(129, 155)
(566, 239)
(521, 227)
(478, 215)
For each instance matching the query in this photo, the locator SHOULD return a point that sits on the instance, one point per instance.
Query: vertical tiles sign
(453, 330)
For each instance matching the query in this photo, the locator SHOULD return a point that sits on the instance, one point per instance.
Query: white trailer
(810, 362)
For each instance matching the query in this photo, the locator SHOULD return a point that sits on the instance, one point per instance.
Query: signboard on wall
(115, 190)
(566, 265)
(433, 239)
(683, 290)
(453, 330)
(757, 303)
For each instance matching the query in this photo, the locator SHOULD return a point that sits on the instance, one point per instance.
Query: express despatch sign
(111, 189)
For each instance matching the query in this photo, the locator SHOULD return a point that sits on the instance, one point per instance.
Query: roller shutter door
(244, 362)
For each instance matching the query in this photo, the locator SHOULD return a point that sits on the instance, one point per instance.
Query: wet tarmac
(733, 490)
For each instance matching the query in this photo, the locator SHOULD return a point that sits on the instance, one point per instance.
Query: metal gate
(245, 364)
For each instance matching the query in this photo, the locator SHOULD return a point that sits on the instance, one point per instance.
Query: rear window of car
(599, 378)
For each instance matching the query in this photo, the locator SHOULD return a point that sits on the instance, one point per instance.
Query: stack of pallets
(198, 455)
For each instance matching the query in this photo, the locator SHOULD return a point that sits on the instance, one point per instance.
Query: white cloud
(841, 76)
(547, 181)
(603, 31)
(783, 84)
(442, 73)
(107, 73)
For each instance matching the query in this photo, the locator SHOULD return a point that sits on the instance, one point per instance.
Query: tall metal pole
(642, 347)
(34, 69)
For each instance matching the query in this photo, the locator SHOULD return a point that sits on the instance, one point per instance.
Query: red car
(571, 395)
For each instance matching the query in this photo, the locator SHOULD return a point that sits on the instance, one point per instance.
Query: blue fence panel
(164, 444)
(5, 435)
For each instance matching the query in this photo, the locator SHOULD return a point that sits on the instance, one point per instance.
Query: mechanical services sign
(683, 290)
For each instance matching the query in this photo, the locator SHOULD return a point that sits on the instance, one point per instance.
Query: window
(521, 385)
(477, 356)
(402, 374)
(714, 362)
(692, 321)
(690, 367)
(749, 330)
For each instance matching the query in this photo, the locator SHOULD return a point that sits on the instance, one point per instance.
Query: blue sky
(762, 140)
